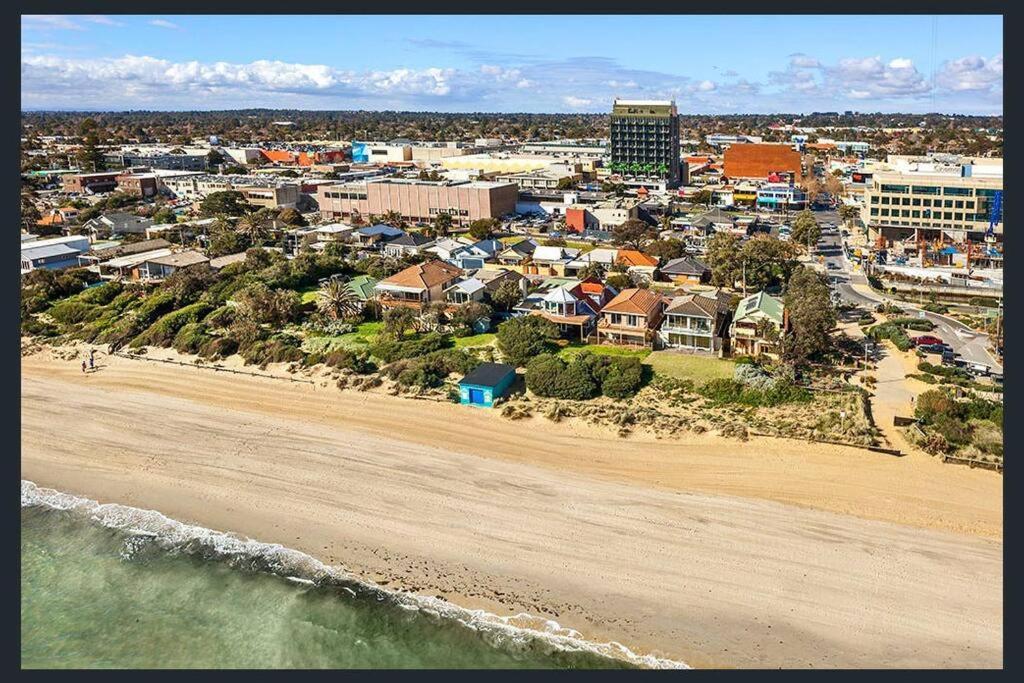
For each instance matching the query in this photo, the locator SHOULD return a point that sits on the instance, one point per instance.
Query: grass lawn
(309, 293)
(474, 340)
(364, 335)
(690, 366)
(572, 350)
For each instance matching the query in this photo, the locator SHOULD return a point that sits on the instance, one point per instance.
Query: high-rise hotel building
(645, 140)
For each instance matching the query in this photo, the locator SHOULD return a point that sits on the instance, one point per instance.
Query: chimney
(524, 287)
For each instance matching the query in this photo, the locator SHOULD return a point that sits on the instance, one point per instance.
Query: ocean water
(111, 586)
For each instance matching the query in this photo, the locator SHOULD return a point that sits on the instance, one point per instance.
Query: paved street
(853, 288)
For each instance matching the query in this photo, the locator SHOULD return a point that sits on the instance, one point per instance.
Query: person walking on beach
(92, 366)
(92, 356)
(83, 367)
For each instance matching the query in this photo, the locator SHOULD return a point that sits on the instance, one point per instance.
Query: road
(852, 287)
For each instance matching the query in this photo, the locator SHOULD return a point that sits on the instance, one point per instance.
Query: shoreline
(298, 567)
(615, 538)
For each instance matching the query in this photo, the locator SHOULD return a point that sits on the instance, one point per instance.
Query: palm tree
(255, 226)
(336, 300)
(393, 218)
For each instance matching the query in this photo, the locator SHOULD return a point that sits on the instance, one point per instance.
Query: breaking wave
(150, 531)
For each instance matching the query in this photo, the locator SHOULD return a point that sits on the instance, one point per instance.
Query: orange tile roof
(53, 219)
(632, 257)
(426, 275)
(591, 287)
(642, 301)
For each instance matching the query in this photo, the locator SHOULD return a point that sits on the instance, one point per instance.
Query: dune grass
(690, 366)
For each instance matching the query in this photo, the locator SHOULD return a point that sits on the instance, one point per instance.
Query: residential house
(117, 224)
(409, 244)
(566, 305)
(686, 270)
(53, 254)
(159, 267)
(637, 263)
(418, 284)
(376, 235)
(516, 255)
(334, 232)
(697, 322)
(362, 286)
(603, 257)
(632, 318)
(464, 291)
(446, 248)
(549, 261)
(759, 317)
(226, 260)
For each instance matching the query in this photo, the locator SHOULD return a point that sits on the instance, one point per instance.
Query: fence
(972, 463)
(215, 368)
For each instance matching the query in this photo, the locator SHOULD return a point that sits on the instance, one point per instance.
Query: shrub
(191, 338)
(155, 305)
(101, 295)
(390, 350)
(753, 376)
(625, 377)
(725, 391)
(262, 352)
(430, 370)
(71, 311)
(521, 339)
(345, 359)
(933, 403)
(163, 331)
(548, 375)
(218, 347)
(893, 333)
(34, 327)
(221, 317)
(920, 324)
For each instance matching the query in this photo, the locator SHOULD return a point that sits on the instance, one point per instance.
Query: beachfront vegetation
(522, 339)
(971, 426)
(585, 376)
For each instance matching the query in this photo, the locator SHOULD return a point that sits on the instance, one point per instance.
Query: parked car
(950, 358)
(934, 348)
(925, 339)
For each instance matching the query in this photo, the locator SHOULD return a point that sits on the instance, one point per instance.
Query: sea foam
(146, 528)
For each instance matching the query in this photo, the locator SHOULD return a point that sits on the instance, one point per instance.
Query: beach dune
(727, 565)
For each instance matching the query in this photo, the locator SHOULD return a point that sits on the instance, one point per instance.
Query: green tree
(266, 306)
(566, 183)
(164, 216)
(702, 196)
(805, 229)
(520, 339)
(442, 224)
(291, 217)
(393, 218)
(224, 203)
(633, 234)
(398, 320)
(724, 258)
(337, 301)
(768, 261)
(483, 228)
(811, 316)
(666, 249)
(255, 227)
(507, 295)
(619, 281)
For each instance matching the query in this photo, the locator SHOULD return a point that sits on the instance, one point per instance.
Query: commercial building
(937, 197)
(781, 198)
(760, 161)
(170, 160)
(259, 191)
(90, 182)
(645, 139)
(498, 163)
(418, 201)
(139, 184)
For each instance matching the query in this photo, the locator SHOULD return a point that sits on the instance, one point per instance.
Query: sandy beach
(716, 552)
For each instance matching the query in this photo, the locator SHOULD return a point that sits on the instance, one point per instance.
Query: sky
(708, 64)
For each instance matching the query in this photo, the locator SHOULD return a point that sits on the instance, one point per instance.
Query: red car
(926, 339)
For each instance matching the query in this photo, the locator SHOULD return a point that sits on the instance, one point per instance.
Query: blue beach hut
(486, 383)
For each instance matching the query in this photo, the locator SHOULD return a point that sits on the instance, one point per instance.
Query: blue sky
(709, 64)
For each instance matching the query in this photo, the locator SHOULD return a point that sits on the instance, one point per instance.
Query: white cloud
(898, 78)
(706, 86)
(101, 19)
(972, 73)
(148, 78)
(801, 61)
(50, 21)
(577, 102)
(901, 63)
(163, 23)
